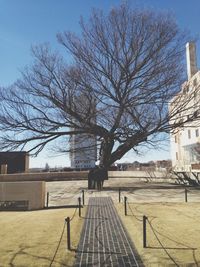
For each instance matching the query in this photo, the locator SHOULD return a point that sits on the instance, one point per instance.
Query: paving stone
(104, 240)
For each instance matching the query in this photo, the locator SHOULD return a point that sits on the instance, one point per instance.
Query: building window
(189, 134)
(195, 82)
(176, 155)
(197, 132)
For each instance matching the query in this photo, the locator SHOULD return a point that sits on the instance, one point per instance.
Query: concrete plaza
(138, 191)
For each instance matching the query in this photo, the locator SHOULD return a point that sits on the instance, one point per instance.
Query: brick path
(104, 241)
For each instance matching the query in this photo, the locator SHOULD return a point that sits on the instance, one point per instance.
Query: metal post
(79, 206)
(144, 232)
(125, 205)
(119, 195)
(83, 197)
(67, 220)
(47, 204)
(186, 195)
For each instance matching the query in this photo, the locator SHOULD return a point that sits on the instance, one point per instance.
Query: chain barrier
(185, 192)
(170, 239)
(74, 213)
(61, 236)
(136, 217)
(56, 251)
(154, 232)
(120, 196)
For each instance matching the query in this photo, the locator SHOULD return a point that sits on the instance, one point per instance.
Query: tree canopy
(124, 69)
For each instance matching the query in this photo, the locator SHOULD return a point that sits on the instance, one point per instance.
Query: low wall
(154, 176)
(136, 174)
(44, 176)
(22, 195)
(82, 175)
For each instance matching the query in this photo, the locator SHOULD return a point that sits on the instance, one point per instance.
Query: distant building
(83, 147)
(83, 151)
(158, 165)
(163, 165)
(15, 162)
(185, 141)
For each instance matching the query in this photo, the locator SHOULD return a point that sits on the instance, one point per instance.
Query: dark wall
(16, 161)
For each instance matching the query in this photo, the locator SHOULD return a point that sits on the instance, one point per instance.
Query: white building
(185, 141)
(83, 153)
(83, 147)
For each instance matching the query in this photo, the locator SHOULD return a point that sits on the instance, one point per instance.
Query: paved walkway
(104, 241)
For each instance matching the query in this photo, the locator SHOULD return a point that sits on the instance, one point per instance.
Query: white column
(191, 59)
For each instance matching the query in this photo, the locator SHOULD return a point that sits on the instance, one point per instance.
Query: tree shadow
(22, 251)
(144, 186)
(175, 248)
(62, 207)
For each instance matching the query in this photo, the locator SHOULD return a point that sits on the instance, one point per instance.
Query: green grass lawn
(31, 238)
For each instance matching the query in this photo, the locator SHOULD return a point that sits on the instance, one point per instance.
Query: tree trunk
(105, 152)
(97, 175)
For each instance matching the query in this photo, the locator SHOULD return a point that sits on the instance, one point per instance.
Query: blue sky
(27, 22)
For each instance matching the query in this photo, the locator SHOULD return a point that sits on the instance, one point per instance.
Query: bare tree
(126, 66)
